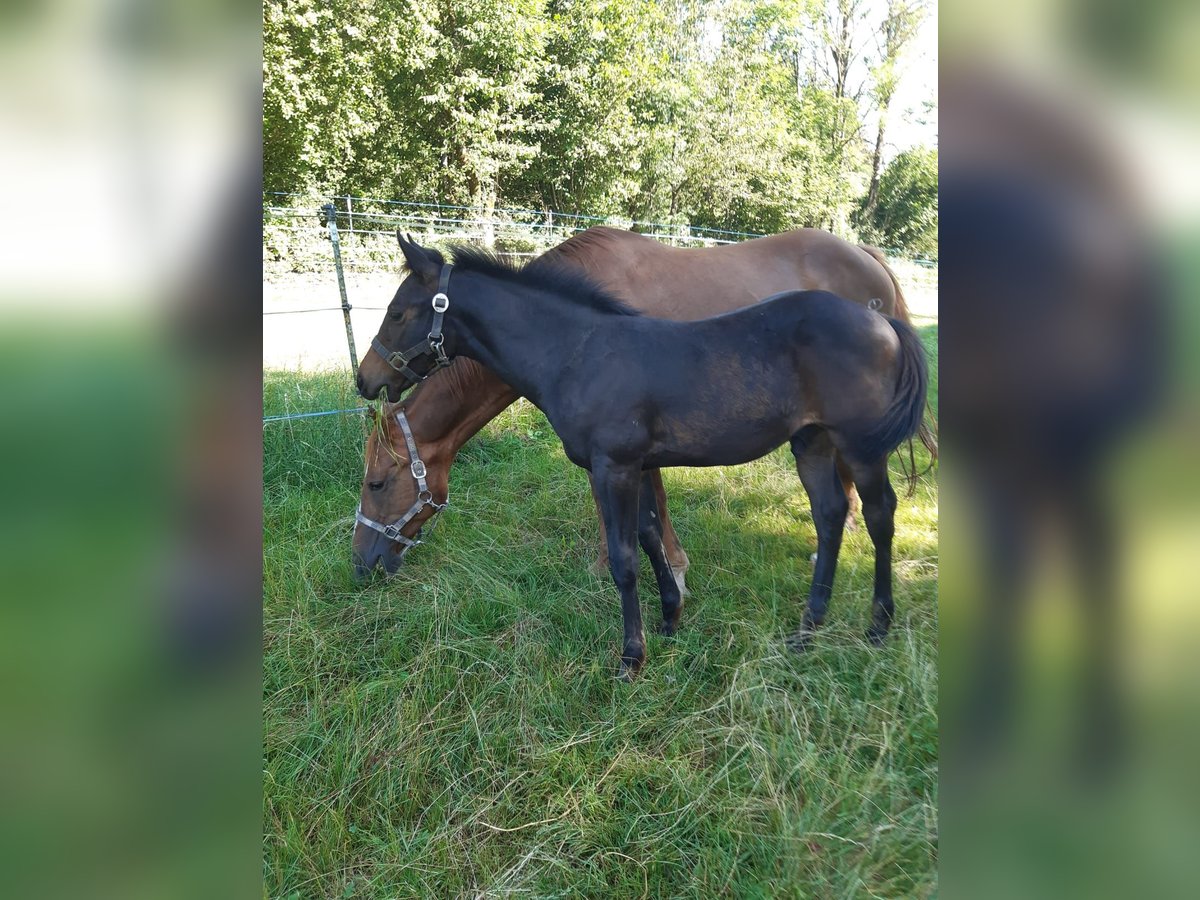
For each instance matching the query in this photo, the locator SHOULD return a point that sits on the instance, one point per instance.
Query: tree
(906, 212)
(744, 115)
(604, 63)
(903, 19)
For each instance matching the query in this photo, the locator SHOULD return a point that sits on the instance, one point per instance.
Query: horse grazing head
(408, 346)
(398, 494)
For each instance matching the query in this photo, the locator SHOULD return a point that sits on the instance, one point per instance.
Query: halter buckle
(418, 469)
(441, 302)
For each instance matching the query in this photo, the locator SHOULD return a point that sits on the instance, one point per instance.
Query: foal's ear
(420, 262)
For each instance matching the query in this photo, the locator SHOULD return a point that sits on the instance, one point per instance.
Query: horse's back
(697, 283)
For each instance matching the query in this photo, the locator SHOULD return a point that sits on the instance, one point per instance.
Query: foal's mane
(543, 273)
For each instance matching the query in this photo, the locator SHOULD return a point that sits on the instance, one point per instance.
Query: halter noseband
(431, 346)
(424, 497)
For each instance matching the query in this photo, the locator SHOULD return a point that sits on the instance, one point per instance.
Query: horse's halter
(424, 497)
(431, 346)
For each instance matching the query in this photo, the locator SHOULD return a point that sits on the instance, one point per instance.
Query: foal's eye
(375, 485)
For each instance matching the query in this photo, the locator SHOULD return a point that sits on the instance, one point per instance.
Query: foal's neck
(521, 333)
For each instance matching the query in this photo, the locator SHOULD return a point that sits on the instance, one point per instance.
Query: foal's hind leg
(818, 471)
(650, 535)
(879, 512)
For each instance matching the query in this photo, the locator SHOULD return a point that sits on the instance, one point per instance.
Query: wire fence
(375, 216)
(312, 415)
(357, 234)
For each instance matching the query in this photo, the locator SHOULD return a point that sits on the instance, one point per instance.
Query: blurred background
(130, 526)
(131, 522)
(1069, 237)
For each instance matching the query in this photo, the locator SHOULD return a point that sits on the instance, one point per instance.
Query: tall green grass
(457, 730)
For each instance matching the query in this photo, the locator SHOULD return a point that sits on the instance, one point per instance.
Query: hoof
(671, 614)
(876, 636)
(632, 658)
(628, 671)
(799, 641)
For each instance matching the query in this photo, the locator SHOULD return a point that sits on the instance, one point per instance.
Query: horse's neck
(513, 331)
(454, 404)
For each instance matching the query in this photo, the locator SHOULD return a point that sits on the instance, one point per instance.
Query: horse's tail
(902, 417)
(927, 433)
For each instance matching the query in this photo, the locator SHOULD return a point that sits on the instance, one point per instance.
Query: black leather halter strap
(431, 346)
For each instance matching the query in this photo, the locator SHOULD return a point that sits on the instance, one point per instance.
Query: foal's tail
(901, 420)
(928, 430)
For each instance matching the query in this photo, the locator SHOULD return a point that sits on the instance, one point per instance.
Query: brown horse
(444, 411)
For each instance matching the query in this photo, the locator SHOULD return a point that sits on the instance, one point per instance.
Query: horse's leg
(617, 488)
(600, 566)
(671, 545)
(1093, 542)
(851, 494)
(650, 534)
(1009, 560)
(817, 470)
(879, 512)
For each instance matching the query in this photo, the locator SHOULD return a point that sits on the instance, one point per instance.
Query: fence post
(331, 218)
(350, 213)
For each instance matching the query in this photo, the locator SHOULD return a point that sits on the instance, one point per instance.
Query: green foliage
(906, 216)
(399, 98)
(722, 113)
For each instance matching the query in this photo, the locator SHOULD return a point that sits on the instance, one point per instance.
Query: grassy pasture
(457, 730)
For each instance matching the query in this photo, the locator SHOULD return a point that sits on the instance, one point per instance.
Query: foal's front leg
(616, 488)
(650, 536)
(676, 555)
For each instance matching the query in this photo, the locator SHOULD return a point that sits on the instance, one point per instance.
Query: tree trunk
(488, 216)
(873, 191)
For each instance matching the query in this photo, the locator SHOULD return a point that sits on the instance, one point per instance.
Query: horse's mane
(543, 273)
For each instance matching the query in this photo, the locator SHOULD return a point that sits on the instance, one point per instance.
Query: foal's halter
(424, 497)
(431, 346)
